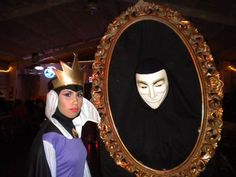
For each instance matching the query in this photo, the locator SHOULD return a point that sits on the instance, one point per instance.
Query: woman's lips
(74, 109)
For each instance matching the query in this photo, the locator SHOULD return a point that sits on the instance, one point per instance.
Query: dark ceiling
(49, 29)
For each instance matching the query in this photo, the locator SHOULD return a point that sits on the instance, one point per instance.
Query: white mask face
(153, 87)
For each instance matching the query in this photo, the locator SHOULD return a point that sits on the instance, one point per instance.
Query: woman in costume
(58, 150)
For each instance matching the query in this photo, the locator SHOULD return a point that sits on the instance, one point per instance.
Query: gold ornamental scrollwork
(211, 85)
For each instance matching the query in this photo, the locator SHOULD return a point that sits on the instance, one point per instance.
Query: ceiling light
(232, 68)
(39, 68)
(7, 70)
(48, 72)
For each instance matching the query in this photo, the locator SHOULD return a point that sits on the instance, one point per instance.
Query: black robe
(37, 163)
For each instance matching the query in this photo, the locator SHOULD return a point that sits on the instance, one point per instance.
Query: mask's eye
(159, 83)
(142, 86)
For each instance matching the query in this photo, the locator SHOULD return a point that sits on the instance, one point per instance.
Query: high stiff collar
(88, 113)
(66, 122)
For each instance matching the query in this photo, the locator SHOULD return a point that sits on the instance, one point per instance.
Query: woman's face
(70, 102)
(153, 87)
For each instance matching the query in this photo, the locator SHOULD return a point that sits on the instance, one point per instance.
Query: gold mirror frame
(211, 88)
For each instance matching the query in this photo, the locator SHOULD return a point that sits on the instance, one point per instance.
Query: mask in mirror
(152, 96)
(172, 135)
(153, 87)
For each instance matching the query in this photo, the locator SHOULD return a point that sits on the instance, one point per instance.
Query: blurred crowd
(20, 118)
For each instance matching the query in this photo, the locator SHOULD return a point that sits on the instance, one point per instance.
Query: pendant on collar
(74, 133)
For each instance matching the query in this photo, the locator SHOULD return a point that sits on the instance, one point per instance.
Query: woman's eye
(67, 94)
(80, 94)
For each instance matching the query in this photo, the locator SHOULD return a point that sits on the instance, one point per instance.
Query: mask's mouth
(155, 99)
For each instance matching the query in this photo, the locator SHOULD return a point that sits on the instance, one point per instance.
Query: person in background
(57, 150)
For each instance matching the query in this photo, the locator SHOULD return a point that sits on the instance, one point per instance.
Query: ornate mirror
(158, 93)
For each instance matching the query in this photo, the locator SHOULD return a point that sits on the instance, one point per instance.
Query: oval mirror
(158, 93)
(160, 136)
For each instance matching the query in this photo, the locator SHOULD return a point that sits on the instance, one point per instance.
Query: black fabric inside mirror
(161, 138)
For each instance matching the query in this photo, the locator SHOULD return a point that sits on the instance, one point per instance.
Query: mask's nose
(151, 92)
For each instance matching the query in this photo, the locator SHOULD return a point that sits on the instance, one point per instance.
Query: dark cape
(38, 166)
(37, 163)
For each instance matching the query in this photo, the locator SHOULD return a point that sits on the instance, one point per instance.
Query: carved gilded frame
(211, 88)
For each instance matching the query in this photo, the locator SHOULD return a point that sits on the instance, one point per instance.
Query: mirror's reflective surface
(163, 135)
